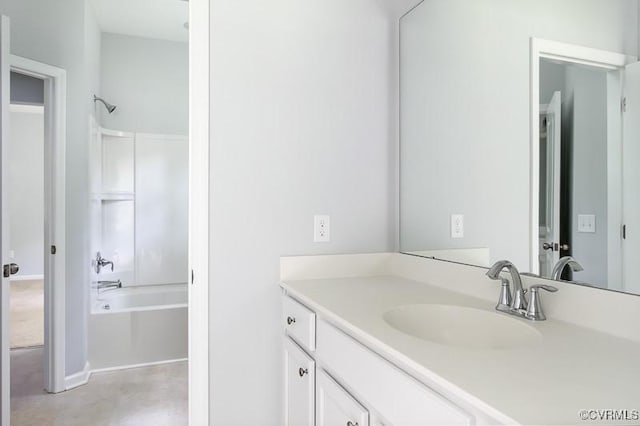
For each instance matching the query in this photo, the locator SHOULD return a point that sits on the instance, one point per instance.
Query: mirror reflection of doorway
(576, 157)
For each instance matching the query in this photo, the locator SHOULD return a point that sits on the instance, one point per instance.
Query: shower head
(110, 108)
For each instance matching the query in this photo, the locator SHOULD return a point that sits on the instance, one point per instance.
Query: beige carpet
(26, 313)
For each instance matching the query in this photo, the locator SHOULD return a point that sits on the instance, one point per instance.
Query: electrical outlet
(12, 254)
(321, 229)
(457, 226)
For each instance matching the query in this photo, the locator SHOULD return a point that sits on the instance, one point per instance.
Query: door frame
(548, 49)
(199, 207)
(55, 83)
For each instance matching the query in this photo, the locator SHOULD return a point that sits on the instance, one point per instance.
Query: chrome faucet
(562, 263)
(518, 303)
(102, 285)
(101, 262)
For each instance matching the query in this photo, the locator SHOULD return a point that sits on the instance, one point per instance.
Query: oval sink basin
(461, 326)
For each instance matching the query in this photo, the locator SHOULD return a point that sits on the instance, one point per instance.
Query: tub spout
(103, 285)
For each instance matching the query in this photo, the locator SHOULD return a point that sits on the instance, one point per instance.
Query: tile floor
(154, 396)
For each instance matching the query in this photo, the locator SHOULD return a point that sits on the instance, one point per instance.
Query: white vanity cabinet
(300, 381)
(336, 406)
(333, 380)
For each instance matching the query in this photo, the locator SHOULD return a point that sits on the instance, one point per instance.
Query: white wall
(148, 80)
(465, 106)
(55, 33)
(26, 198)
(301, 104)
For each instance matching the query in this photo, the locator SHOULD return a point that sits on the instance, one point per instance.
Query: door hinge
(624, 232)
(53, 249)
(192, 276)
(624, 104)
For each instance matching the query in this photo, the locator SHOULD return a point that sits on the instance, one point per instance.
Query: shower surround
(139, 221)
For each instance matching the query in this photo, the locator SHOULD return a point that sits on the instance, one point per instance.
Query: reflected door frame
(564, 52)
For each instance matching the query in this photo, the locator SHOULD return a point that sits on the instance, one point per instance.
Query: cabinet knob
(302, 371)
(350, 423)
(290, 320)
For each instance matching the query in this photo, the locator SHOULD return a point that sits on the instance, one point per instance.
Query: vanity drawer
(299, 323)
(396, 396)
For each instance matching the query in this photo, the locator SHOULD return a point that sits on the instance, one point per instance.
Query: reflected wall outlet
(457, 226)
(321, 229)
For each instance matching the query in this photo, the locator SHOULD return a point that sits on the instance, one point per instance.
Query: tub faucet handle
(101, 262)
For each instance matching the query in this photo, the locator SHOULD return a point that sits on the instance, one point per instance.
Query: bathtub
(134, 326)
(141, 298)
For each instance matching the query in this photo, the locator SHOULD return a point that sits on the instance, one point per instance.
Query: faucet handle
(549, 288)
(504, 303)
(534, 310)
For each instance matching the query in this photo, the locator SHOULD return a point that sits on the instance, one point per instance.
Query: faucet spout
(103, 285)
(562, 263)
(518, 301)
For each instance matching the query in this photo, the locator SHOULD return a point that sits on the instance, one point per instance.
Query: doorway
(576, 162)
(39, 110)
(26, 217)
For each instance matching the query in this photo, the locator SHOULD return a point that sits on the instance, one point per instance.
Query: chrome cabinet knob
(547, 246)
(302, 371)
(350, 423)
(290, 320)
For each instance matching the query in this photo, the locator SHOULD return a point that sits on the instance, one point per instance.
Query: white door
(300, 386)
(4, 222)
(550, 218)
(631, 178)
(335, 406)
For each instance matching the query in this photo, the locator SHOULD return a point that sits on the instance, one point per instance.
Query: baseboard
(26, 277)
(144, 364)
(78, 379)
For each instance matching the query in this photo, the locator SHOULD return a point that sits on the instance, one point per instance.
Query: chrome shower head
(110, 107)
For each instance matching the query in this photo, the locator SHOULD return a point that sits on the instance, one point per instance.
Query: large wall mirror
(520, 136)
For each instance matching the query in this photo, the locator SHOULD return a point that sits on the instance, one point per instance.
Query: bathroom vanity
(393, 339)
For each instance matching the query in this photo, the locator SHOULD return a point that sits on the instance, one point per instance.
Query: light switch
(457, 226)
(587, 223)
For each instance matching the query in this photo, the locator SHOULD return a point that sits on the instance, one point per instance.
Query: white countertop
(572, 369)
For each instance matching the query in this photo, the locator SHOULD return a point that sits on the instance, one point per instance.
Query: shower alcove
(139, 221)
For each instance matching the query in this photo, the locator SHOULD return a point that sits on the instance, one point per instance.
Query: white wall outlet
(12, 254)
(321, 229)
(457, 226)
(587, 223)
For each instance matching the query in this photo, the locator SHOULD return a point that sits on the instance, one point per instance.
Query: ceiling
(158, 19)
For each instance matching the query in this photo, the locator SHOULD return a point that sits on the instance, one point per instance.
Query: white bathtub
(138, 326)
(141, 298)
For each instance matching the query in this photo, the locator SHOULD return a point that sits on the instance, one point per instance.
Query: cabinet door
(335, 407)
(300, 375)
